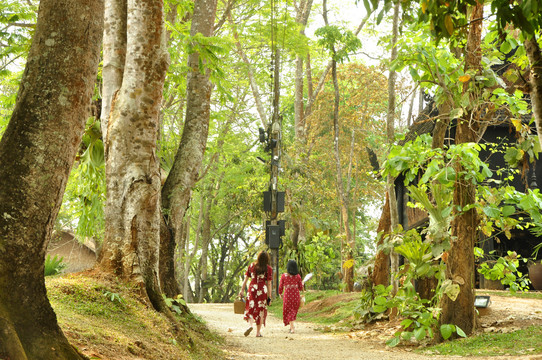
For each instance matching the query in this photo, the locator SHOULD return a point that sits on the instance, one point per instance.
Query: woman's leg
(247, 331)
(258, 328)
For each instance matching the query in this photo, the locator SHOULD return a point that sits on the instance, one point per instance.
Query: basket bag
(239, 306)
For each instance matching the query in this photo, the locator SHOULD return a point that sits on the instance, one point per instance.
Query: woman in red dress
(290, 283)
(259, 292)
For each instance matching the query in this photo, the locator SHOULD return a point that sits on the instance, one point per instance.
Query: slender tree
(390, 127)
(348, 245)
(184, 174)
(36, 155)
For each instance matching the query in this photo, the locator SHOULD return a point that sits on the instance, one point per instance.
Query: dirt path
(309, 344)
(277, 343)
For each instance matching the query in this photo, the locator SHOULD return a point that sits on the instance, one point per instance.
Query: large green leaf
(446, 330)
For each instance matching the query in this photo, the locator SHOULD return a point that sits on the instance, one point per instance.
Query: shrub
(54, 265)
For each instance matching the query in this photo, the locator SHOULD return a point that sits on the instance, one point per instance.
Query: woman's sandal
(259, 335)
(247, 331)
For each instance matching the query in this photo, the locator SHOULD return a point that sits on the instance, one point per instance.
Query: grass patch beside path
(506, 293)
(330, 307)
(106, 319)
(522, 342)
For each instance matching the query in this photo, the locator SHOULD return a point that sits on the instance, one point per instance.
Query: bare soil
(309, 342)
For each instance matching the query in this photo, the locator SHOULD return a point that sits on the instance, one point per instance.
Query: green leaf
(492, 211)
(406, 323)
(423, 269)
(394, 341)
(450, 289)
(460, 332)
(97, 153)
(380, 300)
(414, 74)
(446, 331)
(419, 333)
(508, 210)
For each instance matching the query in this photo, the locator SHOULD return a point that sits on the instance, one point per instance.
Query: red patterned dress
(256, 304)
(290, 285)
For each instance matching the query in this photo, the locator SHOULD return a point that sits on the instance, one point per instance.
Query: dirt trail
(277, 343)
(309, 344)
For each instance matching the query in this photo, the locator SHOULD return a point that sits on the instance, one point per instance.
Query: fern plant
(54, 265)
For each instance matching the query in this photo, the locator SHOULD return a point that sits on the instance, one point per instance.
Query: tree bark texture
(36, 154)
(206, 240)
(183, 176)
(390, 129)
(114, 57)
(381, 271)
(460, 265)
(535, 60)
(132, 233)
(302, 16)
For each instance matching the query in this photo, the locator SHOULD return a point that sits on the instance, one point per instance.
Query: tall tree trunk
(460, 265)
(535, 60)
(302, 16)
(187, 292)
(347, 247)
(197, 274)
(206, 240)
(36, 154)
(394, 216)
(177, 189)
(132, 235)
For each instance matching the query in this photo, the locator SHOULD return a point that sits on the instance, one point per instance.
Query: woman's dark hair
(291, 267)
(261, 263)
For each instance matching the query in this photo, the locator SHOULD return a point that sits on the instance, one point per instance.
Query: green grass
(108, 319)
(517, 343)
(524, 295)
(334, 307)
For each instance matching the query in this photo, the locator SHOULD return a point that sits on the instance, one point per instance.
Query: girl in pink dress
(290, 284)
(258, 293)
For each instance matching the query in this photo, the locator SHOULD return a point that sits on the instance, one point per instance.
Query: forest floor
(310, 341)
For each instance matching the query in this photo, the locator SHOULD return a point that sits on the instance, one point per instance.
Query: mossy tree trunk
(36, 155)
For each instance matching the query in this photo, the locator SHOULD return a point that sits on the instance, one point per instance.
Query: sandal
(260, 335)
(247, 331)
